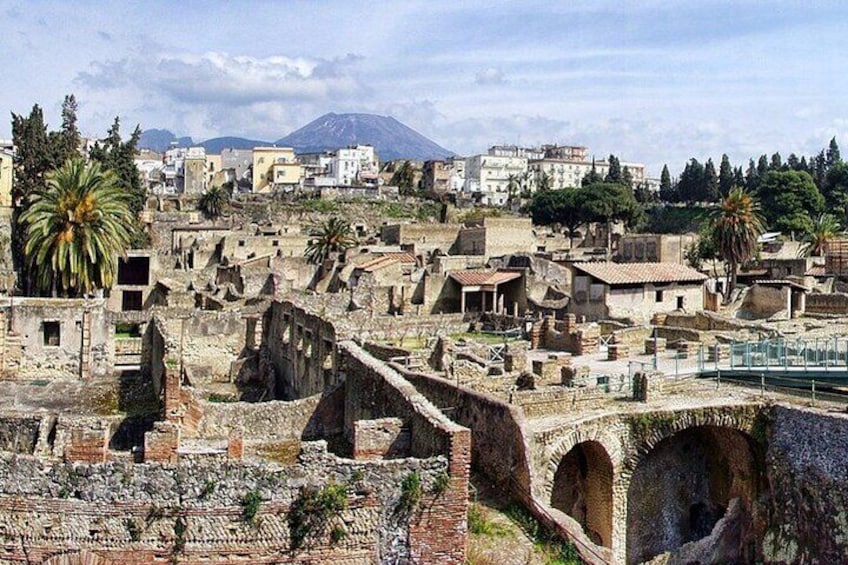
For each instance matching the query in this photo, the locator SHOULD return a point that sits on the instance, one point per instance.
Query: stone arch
(583, 489)
(683, 481)
(77, 558)
(606, 432)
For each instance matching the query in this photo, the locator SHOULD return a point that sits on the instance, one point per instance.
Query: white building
(354, 166)
(488, 176)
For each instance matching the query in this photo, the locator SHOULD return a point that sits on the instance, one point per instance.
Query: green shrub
(316, 508)
(250, 506)
(410, 492)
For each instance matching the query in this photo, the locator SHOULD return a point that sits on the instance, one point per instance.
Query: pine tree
(614, 173)
(667, 192)
(627, 177)
(709, 185)
(776, 162)
(833, 156)
(592, 177)
(725, 176)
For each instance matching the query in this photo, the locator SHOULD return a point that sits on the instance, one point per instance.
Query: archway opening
(583, 490)
(685, 486)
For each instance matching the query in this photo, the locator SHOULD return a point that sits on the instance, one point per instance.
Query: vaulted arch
(583, 489)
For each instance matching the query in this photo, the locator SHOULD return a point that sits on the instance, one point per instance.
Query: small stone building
(634, 291)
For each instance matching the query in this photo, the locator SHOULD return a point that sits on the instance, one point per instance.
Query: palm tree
(512, 186)
(825, 229)
(737, 224)
(214, 202)
(76, 228)
(333, 236)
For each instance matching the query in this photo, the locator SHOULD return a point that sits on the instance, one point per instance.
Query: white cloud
(490, 75)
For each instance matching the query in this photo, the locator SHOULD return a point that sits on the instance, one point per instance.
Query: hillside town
(299, 357)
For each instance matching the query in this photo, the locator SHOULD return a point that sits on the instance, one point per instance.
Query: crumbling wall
(315, 417)
(374, 391)
(807, 470)
(208, 509)
(300, 349)
(827, 304)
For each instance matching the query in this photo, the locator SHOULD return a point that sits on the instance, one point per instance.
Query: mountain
(390, 138)
(217, 144)
(161, 139)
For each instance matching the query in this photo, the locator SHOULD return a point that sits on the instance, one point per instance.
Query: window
(680, 303)
(131, 300)
(51, 334)
(659, 296)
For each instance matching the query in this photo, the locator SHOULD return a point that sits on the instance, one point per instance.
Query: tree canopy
(790, 201)
(76, 227)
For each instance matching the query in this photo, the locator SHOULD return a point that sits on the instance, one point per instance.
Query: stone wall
(827, 304)
(314, 417)
(197, 512)
(300, 348)
(58, 338)
(208, 342)
(498, 447)
(807, 468)
(374, 391)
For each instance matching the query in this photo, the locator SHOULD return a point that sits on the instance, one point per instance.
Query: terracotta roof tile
(638, 273)
(483, 278)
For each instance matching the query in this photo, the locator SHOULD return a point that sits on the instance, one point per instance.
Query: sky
(652, 82)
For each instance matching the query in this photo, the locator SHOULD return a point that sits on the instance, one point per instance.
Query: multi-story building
(184, 171)
(275, 168)
(487, 177)
(355, 165)
(566, 165)
(436, 180)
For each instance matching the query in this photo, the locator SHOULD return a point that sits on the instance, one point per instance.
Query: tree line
(792, 193)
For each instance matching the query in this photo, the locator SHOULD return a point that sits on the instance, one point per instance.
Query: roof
(377, 264)
(402, 256)
(640, 273)
(483, 278)
(781, 282)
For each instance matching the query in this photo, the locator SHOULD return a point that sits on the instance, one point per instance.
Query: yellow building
(5, 179)
(275, 168)
(214, 164)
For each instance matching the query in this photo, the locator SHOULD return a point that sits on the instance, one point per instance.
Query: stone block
(655, 345)
(235, 445)
(618, 351)
(646, 386)
(571, 374)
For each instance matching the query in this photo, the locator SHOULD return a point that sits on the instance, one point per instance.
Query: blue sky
(653, 82)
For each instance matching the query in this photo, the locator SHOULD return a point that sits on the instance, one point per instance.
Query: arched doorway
(583, 490)
(684, 486)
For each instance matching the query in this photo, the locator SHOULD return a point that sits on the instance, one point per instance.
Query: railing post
(805, 354)
(813, 384)
(762, 384)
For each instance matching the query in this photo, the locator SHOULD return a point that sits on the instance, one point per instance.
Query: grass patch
(411, 492)
(554, 550)
(284, 453)
(221, 397)
(479, 523)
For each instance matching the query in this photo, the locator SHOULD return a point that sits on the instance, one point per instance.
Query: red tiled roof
(483, 278)
(638, 273)
(378, 263)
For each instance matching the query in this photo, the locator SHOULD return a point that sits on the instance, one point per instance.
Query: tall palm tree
(214, 202)
(76, 228)
(737, 224)
(333, 236)
(825, 229)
